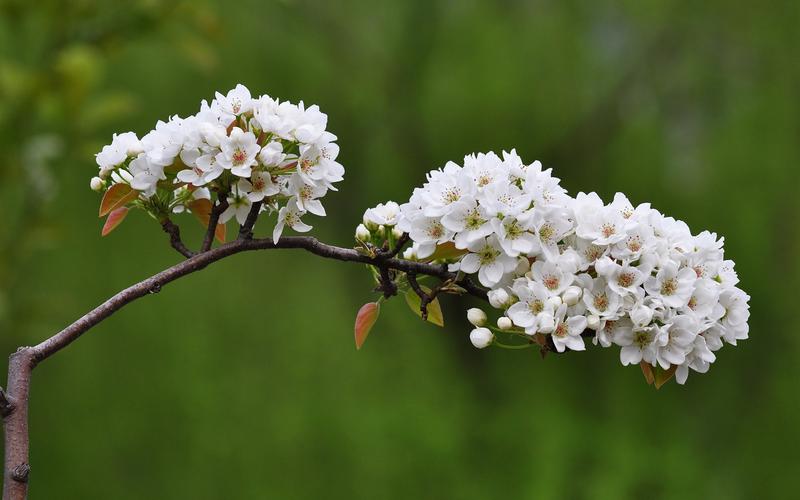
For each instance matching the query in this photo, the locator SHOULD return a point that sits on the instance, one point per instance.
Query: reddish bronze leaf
(114, 219)
(117, 196)
(202, 211)
(365, 319)
(662, 376)
(647, 370)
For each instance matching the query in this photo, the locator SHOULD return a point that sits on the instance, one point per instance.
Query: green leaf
(434, 308)
(365, 319)
(117, 196)
(202, 211)
(647, 371)
(114, 219)
(662, 376)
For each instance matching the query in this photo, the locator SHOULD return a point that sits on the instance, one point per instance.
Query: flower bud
(380, 232)
(397, 233)
(476, 316)
(604, 266)
(554, 301)
(641, 315)
(368, 222)
(523, 266)
(481, 337)
(547, 323)
(571, 295)
(97, 184)
(410, 253)
(593, 321)
(362, 233)
(498, 298)
(504, 323)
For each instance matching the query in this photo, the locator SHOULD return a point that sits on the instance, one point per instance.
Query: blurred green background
(242, 381)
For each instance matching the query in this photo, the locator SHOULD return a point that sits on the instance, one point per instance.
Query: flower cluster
(247, 150)
(564, 269)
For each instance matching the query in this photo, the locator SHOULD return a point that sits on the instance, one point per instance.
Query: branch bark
(216, 211)
(175, 240)
(14, 401)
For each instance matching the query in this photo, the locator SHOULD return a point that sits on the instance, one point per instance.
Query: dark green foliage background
(242, 381)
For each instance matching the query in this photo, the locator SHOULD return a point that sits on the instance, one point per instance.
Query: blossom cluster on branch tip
(565, 268)
(246, 150)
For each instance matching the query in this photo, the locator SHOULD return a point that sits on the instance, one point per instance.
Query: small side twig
(174, 233)
(216, 211)
(6, 405)
(398, 247)
(246, 229)
(424, 298)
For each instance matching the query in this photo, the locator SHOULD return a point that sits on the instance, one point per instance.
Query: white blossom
(253, 149)
(555, 265)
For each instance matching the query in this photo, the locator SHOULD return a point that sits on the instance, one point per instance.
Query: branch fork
(14, 400)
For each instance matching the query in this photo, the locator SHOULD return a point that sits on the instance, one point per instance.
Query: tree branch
(213, 221)
(174, 233)
(14, 401)
(246, 229)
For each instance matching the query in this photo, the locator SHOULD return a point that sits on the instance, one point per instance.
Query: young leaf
(365, 319)
(114, 219)
(662, 376)
(446, 250)
(647, 371)
(117, 196)
(202, 211)
(434, 308)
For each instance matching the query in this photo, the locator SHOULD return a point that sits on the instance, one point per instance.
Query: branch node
(20, 473)
(155, 288)
(6, 403)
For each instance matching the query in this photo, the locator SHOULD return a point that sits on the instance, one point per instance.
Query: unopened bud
(593, 321)
(97, 184)
(641, 315)
(554, 301)
(498, 298)
(372, 226)
(572, 295)
(396, 233)
(504, 323)
(481, 337)
(523, 266)
(410, 254)
(362, 233)
(476, 316)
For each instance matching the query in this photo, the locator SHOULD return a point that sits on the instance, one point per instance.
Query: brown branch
(246, 229)
(213, 221)
(398, 247)
(424, 298)
(14, 401)
(174, 233)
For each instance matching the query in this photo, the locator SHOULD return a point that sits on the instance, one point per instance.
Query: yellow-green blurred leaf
(446, 251)
(434, 308)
